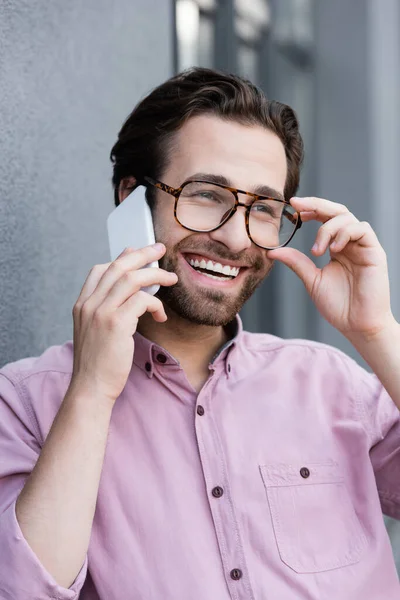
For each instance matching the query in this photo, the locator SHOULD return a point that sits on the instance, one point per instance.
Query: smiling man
(217, 271)
(166, 453)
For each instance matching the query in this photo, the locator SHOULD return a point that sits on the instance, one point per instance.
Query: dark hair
(146, 137)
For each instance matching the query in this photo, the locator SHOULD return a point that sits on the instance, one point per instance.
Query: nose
(233, 233)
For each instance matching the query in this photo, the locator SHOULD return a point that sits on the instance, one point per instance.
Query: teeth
(216, 277)
(217, 267)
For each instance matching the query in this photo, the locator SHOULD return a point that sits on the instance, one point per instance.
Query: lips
(207, 257)
(212, 272)
(211, 267)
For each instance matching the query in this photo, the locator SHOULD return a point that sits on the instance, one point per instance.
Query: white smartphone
(130, 224)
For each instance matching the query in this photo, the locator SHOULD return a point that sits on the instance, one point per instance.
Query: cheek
(263, 262)
(166, 229)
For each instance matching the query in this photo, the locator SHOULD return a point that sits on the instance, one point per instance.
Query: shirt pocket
(314, 521)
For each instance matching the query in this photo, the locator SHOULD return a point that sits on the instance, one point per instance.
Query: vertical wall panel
(383, 55)
(343, 133)
(70, 72)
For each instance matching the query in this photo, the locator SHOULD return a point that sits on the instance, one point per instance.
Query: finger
(138, 258)
(91, 282)
(324, 209)
(140, 303)
(360, 232)
(308, 215)
(330, 229)
(93, 278)
(131, 261)
(131, 282)
(299, 263)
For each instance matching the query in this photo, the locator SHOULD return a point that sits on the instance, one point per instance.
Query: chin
(207, 307)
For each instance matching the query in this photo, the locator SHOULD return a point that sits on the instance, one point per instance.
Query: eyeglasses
(203, 206)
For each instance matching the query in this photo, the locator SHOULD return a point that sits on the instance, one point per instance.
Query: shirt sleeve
(22, 576)
(381, 419)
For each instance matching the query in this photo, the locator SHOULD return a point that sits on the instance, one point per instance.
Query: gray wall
(358, 123)
(70, 72)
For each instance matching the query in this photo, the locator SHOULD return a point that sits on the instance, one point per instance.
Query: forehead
(245, 155)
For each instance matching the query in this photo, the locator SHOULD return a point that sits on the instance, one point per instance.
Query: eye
(206, 194)
(214, 196)
(266, 208)
(263, 208)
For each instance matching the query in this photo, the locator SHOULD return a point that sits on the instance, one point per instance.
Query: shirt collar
(148, 354)
(233, 329)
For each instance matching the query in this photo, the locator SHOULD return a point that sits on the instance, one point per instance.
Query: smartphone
(130, 224)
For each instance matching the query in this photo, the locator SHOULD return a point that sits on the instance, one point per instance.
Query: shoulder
(33, 388)
(267, 344)
(317, 370)
(55, 359)
(299, 357)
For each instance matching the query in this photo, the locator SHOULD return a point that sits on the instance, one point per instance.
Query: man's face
(248, 157)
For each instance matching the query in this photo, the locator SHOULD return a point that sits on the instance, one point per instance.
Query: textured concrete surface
(70, 73)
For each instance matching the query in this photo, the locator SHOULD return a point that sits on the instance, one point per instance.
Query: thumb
(298, 262)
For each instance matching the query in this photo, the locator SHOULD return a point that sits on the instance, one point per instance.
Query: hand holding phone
(130, 225)
(106, 315)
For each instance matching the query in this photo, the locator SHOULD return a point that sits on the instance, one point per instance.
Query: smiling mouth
(212, 269)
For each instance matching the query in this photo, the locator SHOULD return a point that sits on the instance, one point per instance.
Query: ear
(125, 187)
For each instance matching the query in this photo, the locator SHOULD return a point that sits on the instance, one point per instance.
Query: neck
(192, 345)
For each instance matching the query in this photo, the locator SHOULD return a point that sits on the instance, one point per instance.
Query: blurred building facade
(71, 72)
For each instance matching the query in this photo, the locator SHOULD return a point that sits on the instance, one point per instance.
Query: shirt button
(217, 492)
(161, 358)
(236, 574)
(304, 472)
(200, 410)
(147, 366)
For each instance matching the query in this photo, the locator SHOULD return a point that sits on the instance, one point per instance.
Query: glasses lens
(272, 223)
(204, 206)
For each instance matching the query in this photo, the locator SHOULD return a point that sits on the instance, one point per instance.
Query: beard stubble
(202, 305)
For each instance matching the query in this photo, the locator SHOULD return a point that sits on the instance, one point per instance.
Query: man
(166, 453)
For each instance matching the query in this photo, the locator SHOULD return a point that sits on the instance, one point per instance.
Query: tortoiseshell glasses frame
(176, 192)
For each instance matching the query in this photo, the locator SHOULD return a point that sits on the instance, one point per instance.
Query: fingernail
(314, 248)
(158, 246)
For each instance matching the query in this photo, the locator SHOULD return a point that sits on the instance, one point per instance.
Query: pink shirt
(267, 485)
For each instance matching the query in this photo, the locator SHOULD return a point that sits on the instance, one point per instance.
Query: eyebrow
(261, 190)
